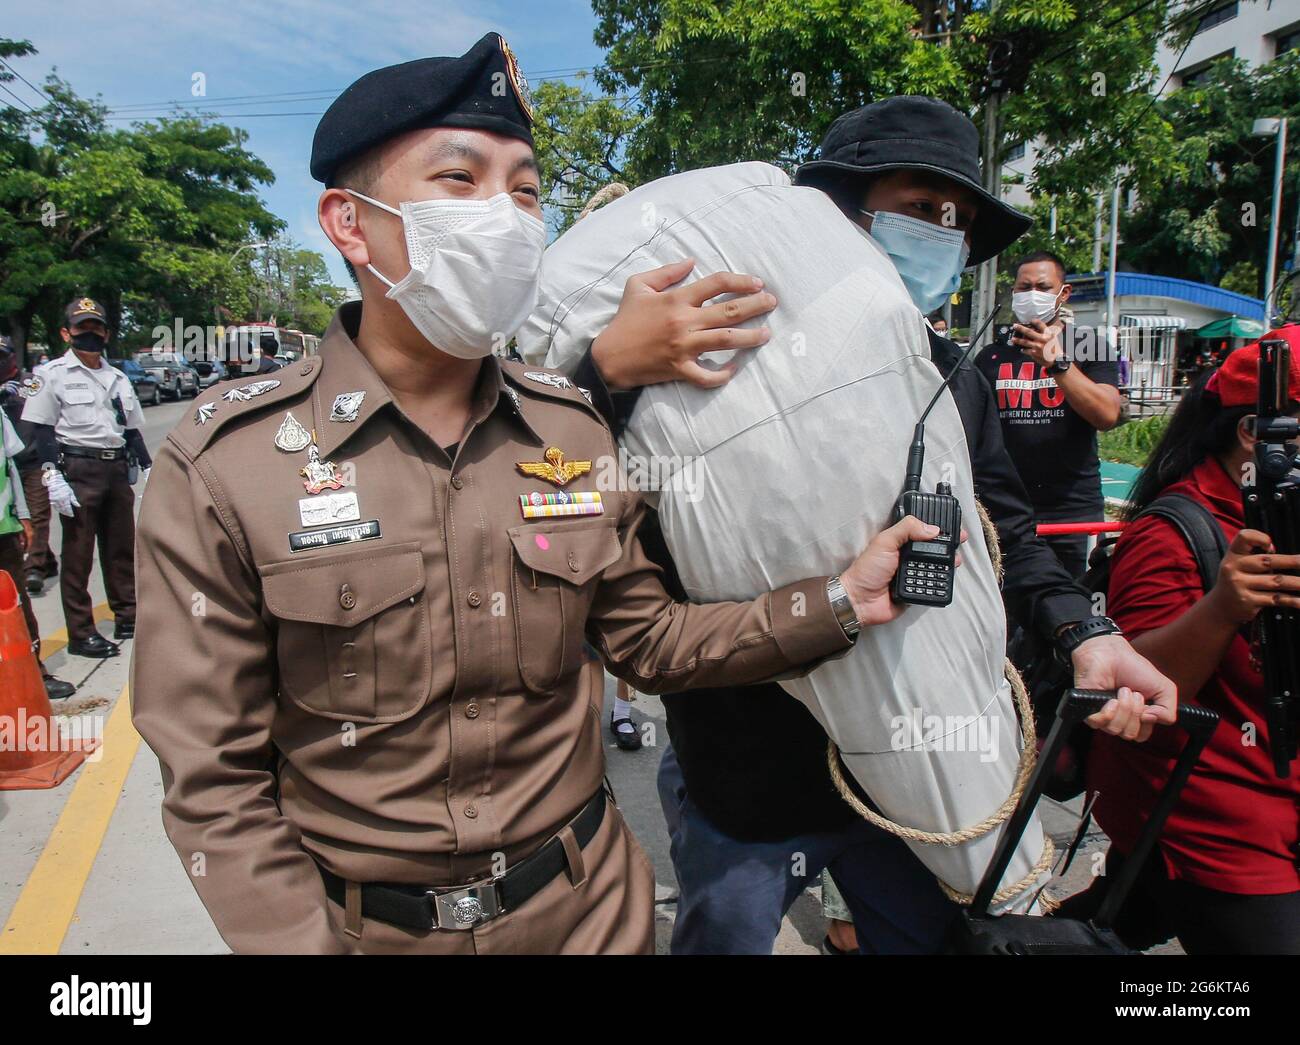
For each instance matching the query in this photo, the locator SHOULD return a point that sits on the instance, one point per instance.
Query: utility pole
(986, 275)
(1270, 276)
(1112, 324)
(1096, 235)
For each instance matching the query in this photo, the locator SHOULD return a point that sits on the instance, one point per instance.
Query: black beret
(483, 88)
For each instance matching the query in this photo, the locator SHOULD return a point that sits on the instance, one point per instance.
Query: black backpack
(1047, 679)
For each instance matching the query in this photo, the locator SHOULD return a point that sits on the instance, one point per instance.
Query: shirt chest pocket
(79, 406)
(554, 573)
(353, 637)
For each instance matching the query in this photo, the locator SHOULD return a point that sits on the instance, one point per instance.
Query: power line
(16, 98)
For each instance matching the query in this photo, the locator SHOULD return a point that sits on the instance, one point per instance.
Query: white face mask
(1029, 305)
(475, 268)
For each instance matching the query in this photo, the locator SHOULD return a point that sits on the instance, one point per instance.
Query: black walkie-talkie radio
(926, 568)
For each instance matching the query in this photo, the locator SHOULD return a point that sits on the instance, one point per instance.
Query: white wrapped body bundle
(792, 467)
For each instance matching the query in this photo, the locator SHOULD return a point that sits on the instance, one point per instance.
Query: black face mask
(89, 341)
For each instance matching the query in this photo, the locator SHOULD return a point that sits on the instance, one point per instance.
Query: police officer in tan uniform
(366, 581)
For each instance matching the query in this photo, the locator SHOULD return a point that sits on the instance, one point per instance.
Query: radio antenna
(916, 452)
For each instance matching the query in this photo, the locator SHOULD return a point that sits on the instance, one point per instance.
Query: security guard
(87, 423)
(361, 655)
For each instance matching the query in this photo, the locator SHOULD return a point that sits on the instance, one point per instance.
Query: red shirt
(1236, 827)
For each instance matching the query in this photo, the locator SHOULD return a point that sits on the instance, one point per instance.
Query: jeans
(733, 894)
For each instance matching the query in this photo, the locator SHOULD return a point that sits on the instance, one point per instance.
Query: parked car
(143, 383)
(173, 373)
(210, 371)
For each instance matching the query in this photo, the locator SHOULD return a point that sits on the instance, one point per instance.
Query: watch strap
(842, 606)
(1075, 635)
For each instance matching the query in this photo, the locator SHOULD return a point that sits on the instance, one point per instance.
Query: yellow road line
(48, 901)
(59, 639)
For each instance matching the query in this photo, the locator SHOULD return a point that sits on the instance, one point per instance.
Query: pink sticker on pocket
(542, 542)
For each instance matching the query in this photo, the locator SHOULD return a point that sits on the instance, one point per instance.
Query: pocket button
(573, 563)
(347, 598)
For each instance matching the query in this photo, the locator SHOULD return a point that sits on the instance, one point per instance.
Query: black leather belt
(463, 907)
(115, 454)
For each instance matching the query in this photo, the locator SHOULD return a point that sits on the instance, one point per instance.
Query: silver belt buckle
(466, 907)
(108, 455)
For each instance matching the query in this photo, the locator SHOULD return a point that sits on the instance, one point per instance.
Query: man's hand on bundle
(661, 329)
(868, 580)
(1146, 698)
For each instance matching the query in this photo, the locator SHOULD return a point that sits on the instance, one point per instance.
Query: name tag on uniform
(366, 531)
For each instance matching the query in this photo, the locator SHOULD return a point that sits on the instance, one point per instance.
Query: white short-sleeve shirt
(78, 402)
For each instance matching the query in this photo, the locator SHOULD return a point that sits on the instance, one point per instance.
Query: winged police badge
(347, 406)
(31, 387)
(291, 436)
(204, 413)
(243, 393)
(554, 380)
(555, 469)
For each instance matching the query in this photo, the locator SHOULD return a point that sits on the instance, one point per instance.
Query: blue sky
(139, 53)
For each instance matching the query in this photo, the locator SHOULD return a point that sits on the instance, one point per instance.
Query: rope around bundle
(1024, 769)
(601, 196)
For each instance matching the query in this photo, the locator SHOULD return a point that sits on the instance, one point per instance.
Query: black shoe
(628, 740)
(95, 646)
(35, 582)
(124, 629)
(57, 689)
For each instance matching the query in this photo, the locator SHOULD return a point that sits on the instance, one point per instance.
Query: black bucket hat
(918, 133)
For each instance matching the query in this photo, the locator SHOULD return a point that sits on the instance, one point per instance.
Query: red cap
(1236, 382)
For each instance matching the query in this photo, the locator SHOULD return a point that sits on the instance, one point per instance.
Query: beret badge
(517, 80)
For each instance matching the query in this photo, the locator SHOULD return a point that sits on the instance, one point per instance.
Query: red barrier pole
(1055, 529)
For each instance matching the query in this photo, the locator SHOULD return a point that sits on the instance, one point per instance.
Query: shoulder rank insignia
(347, 406)
(554, 380)
(243, 393)
(204, 413)
(319, 475)
(555, 469)
(291, 436)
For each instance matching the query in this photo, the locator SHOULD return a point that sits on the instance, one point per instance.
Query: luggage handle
(1077, 704)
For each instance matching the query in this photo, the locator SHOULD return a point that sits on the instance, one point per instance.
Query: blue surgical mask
(929, 258)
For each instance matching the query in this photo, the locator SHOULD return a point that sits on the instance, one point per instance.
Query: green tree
(293, 285)
(579, 140)
(148, 219)
(1211, 218)
(726, 80)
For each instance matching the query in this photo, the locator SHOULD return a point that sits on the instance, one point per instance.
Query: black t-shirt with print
(1053, 448)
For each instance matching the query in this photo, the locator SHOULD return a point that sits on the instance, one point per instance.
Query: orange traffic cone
(33, 751)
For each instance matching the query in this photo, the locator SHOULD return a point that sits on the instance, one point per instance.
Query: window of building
(1016, 152)
(1217, 17)
(1289, 40)
(1191, 77)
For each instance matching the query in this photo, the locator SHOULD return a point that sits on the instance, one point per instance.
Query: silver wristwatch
(842, 607)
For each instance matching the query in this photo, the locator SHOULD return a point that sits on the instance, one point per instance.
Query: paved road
(86, 868)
